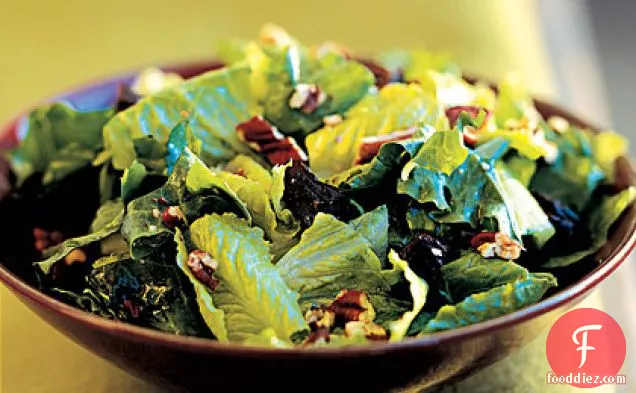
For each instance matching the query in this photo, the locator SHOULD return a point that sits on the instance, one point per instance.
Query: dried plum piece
(381, 74)
(570, 229)
(306, 196)
(426, 255)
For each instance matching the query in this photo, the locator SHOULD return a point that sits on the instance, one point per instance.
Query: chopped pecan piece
(203, 266)
(318, 336)
(496, 244)
(369, 330)
(264, 138)
(371, 145)
(351, 305)
(307, 98)
(75, 256)
(281, 152)
(320, 317)
(172, 217)
(45, 239)
(332, 120)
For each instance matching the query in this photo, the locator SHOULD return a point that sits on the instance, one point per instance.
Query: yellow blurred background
(47, 47)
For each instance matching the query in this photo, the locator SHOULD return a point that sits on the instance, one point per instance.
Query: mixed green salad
(302, 196)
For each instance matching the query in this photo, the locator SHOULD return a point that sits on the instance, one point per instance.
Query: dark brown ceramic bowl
(205, 365)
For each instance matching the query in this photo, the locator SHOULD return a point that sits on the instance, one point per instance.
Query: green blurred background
(47, 47)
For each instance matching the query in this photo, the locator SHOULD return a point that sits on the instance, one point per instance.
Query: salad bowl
(198, 364)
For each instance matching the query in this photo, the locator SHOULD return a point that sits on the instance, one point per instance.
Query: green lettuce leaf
(252, 293)
(277, 191)
(67, 160)
(395, 107)
(150, 152)
(213, 317)
(181, 137)
(471, 274)
(191, 186)
(385, 165)
(374, 228)
(599, 221)
(424, 177)
(521, 168)
(252, 170)
(477, 195)
(131, 181)
(575, 170)
(331, 256)
(257, 203)
(268, 338)
(514, 102)
(151, 294)
(493, 303)
(57, 139)
(107, 213)
(215, 101)
(202, 181)
(528, 215)
(419, 291)
(102, 228)
(607, 146)
(344, 82)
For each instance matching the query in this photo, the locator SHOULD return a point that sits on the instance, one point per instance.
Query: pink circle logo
(585, 348)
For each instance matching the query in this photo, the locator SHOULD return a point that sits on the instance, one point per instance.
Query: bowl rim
(128, 331)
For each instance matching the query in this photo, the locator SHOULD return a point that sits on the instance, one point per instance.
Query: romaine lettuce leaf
(424, 177)
(151, 153)
(257, 203)
(252, 293)
(60, 251)
(268, 338)
(181, 137)
(521, 168)
(493, 303)
(344, 82)
(57, 139)
(331, 256)
(419, 290)
(215, 101)
(131, 181)
(396, 107)
(607, 146)
(191, 186)
(514, 102)
(575, 170)
(152, 294)
(107, 213)
(67, 160)
(528, 216)
(386, 165)
(599, 221)
(477, 197)
(471, 274)
(374, 228)
(252, 170)
(214, 317)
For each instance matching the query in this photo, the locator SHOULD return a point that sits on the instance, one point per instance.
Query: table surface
(48, 46)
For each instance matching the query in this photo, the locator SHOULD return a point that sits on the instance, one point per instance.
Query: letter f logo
(583, 344)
